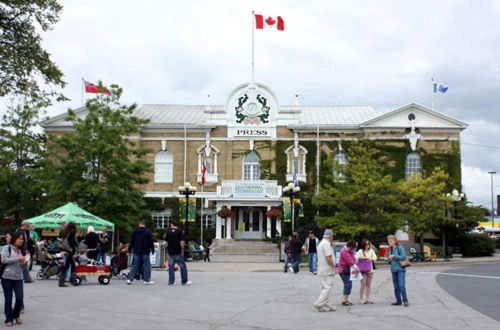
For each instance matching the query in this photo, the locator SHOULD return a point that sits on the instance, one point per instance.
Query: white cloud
(332, 52)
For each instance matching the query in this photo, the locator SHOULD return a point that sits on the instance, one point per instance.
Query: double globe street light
(456, 197)
(292, 191)
(187, 190)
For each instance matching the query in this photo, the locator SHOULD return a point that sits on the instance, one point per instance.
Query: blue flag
(439, 87)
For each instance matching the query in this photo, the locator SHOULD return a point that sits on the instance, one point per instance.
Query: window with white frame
(296, 162)
(413, 164)
(164, 166)
(251, 166)
(162, 219)
(339, 163)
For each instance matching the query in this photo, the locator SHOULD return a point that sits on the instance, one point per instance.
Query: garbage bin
(158, 257)
(337, 246)
(383, 251)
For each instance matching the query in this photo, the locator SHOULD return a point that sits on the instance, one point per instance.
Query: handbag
(64, 246)
(405, 263)
(365, 266)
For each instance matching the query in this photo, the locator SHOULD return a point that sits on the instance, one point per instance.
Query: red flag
(203, 172)
(91, 88)
(269, 22)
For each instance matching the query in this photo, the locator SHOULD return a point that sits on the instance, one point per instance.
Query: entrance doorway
(249, 223)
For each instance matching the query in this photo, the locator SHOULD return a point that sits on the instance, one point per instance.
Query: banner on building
(191, 209)
(287, 209)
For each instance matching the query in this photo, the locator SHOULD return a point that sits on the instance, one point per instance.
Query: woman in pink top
(346, 260)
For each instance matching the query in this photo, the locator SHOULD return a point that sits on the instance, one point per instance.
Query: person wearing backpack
(396, 255)
(13, 263)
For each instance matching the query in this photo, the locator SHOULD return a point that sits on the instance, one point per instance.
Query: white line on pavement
(468, 275)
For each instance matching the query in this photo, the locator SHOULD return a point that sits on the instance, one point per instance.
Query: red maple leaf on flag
(270, 21)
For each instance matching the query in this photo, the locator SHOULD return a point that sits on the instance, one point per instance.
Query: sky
(335, 52)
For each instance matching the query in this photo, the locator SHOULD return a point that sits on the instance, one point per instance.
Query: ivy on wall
(394, 153)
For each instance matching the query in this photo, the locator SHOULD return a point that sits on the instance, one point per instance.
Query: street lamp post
(456, 196)
(492, 208)
(292, 191)
(187, 190)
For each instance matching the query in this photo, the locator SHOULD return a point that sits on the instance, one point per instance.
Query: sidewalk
(278, 267)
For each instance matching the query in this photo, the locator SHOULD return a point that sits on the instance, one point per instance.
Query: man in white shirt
(326, 271)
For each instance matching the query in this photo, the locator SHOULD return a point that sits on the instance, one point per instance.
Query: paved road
(245, 300)
(477, 286)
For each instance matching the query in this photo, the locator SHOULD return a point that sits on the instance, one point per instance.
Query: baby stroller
(119, 263)
(51, 265)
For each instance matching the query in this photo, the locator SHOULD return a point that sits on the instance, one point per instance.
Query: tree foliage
(96, 165)
(24, 63)
(21, 153)
(423, 202)
(365, 202)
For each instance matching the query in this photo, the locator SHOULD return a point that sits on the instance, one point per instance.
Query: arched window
(296, 163)
(251, 166)
(413, 164)
(164, 166)
(339, 162)
(210, 161)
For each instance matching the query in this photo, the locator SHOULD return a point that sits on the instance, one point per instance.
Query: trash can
(158, 257)
(383, 251)
(337, 246)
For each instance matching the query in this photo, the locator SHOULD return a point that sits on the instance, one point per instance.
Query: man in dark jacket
(295, 248)
(175, 245)
(141, 246)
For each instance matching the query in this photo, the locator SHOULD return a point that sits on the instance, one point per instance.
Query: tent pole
(113, 242)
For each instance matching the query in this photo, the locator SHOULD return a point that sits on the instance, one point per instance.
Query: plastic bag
(176, 267)
(355, 274)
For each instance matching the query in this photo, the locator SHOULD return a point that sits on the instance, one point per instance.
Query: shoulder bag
(64, 246)
(365, 266)
(2, 265)
(406, 262)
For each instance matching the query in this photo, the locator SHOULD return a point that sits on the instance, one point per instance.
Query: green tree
(21, 152)
(362, 202)
(424, 202)
(96, 165)
(24, 64)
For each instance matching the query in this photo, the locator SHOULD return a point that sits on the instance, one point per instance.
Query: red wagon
(103, 273)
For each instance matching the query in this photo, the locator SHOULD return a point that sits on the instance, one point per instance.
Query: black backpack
(2, 265)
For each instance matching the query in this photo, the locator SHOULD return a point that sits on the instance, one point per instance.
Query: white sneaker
(129, 282)
(188, 283)
(148, 283)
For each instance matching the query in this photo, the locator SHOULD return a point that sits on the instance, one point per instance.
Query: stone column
(278, 227)
(268, 224)
(218, 227)
(228, 228)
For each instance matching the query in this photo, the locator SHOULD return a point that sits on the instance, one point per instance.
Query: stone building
(252, 146)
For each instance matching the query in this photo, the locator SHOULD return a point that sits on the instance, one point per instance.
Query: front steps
(224, 250)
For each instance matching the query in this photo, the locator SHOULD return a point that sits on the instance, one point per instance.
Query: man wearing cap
(326, 271)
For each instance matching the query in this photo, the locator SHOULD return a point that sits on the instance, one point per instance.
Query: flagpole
(201, 220)
(432, 104)
(253, 44)
(83, 88)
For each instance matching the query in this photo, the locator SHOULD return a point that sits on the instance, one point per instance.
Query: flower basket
(274, 213)
(225, 213)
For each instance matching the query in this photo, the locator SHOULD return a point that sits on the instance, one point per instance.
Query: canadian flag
(269, 22)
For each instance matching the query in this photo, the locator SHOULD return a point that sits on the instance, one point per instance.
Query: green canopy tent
(70, 213)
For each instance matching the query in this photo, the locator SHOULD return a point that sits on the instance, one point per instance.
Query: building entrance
(249, 223)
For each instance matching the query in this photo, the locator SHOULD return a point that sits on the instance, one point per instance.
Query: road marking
(468, 275)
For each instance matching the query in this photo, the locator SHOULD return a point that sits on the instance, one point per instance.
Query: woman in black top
(69, 233)
(91, 240)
